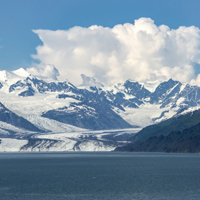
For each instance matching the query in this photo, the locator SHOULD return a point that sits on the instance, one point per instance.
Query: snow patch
(180, 100)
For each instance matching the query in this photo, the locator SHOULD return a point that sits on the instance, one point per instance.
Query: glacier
(41, 115)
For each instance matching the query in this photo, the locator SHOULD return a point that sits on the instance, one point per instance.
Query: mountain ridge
(59, 106)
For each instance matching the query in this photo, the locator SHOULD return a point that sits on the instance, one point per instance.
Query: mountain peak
(21, 72)
(13, 75)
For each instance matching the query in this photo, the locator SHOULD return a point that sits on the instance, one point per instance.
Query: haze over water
(102, 175)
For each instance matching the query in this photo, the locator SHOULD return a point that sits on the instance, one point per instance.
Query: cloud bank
(141, 51)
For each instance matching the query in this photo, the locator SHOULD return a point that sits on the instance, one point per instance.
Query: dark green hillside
(166, 127)
(187, 141)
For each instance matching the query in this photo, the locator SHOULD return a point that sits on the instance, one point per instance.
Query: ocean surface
(99, 176)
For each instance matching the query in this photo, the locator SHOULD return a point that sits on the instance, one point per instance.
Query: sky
(112, 40)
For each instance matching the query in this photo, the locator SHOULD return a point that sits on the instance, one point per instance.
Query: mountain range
(40, 114)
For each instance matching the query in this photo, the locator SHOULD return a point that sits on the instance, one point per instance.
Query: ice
(10, 145)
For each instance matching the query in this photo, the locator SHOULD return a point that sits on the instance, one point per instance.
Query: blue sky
(19, 17)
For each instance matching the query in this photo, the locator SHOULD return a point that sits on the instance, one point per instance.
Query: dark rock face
(13, 119)
(1, 85)
(29, 92)
(136, 89)
(162, 91)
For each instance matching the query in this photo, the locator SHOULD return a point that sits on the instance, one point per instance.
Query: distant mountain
(94, 116)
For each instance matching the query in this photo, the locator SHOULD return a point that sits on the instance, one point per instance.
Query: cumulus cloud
(44, 71)
(141, 51)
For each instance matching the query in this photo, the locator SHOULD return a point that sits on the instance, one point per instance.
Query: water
(99, 176)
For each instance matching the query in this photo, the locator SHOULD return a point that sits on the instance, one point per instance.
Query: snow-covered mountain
(40, 112)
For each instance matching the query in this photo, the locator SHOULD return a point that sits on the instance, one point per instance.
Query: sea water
(99, 176)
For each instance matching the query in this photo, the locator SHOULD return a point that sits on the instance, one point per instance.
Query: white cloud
(141, 51)
(48, 71)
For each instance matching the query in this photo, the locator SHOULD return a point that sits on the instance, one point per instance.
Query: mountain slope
(176, 123)
(187, 141)
(13, 119)
(180, 133)
(93, 112)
